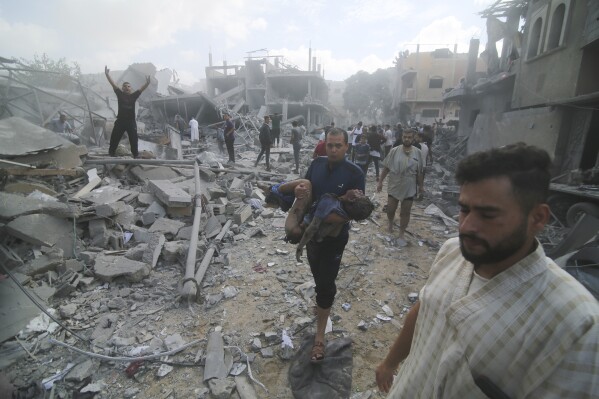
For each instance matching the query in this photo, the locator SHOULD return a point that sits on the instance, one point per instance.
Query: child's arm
(310, 231)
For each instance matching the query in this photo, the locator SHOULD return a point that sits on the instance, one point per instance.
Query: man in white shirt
(389, 139)
(195, 132)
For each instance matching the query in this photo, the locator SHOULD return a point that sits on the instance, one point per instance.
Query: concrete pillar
(210, 58)
(314, 64)
(472, 58)
(310, 59)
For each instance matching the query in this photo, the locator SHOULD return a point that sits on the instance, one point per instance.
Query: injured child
(308, 220)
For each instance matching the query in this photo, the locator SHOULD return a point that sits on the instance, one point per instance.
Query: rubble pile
(103, 249)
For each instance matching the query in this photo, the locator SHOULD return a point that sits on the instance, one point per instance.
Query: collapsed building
(542, 89)
(262, 87)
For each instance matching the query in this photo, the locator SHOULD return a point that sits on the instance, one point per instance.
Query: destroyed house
(543, 88)
(278, 87)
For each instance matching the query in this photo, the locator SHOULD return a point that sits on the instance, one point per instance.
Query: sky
(346, 36)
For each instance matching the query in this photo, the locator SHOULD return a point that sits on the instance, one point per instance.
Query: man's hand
(301, 191)
(148, 79)
(106, 70)
(298, 252)
(384, 377)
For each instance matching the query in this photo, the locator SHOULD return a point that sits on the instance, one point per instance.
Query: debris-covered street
(149, 243)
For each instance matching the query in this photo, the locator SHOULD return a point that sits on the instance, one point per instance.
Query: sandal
(317, 354)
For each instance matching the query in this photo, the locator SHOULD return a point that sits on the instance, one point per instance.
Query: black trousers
(376, 164)
(275, 134)
(230, 149)
(265, 149)
(296, 154)
(120, 127)
(325, 258)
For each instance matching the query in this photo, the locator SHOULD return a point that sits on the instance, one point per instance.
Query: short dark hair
(359, 209)
(294, 123)
(335, 132)
(526, 166)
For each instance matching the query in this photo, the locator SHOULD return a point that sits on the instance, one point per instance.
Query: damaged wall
(538, 126)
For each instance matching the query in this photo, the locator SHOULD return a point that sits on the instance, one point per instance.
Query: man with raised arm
(125, 119)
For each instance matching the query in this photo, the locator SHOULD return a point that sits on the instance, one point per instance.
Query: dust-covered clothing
(194, 130)
(296, 142)
(532, 330)
(403, 171)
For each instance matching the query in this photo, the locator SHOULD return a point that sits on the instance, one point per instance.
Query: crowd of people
(496, 318)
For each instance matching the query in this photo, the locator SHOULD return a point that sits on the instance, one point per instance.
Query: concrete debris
(43, 230)
(169, 194)
(166, 226)
(108, 268)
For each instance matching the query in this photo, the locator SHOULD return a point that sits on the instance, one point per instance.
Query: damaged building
(421, 80)
(542, 89)
(261, 86)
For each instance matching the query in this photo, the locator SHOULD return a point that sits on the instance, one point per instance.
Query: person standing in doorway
(265, 141)
(125, 119)
(276, 129)
(405, 167)
(296, 142)
(229, 132)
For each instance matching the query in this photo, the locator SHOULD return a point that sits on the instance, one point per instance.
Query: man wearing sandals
(332, 174)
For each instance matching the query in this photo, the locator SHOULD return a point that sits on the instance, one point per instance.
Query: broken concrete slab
(145, 172)
(156, 209)
(244, 388)
(153, 250)
(43, 230)
(179, 211)
(221, 388)
(174, 250)
(242, 214)
(25, 187)
(215, 357)
(106, 195)
(169, 194)
(145, 199)
(107, 268)
(207, 175)
(14, 205)
(112, 209)
(168, 227)
(216, 192)
(212, 227)
(21, 137)
(16, 310)
(93, 182)
(43, 264)
(236, 184)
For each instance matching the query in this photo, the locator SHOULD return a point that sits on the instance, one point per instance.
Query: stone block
(179, 211)
(169, 194)
(235, 195)
(108, 267)
(216, 192)
(168, 227)
(43, 230)
(145, 199)
(111, 209)
(157, 209)
(218, 209)
(242, 214)
(97, 227)
(207, 175)
(236, 184)
(257, 193)
(154, 247)
(174, 250)
(148, 218)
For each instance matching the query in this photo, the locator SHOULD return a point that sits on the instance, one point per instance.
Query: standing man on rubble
(497, 318)
(229, 132)
(332, 174)
(296, 142)
(265, 141)
(194, 130)
(276, 129)
(405, 167)
(125, 120)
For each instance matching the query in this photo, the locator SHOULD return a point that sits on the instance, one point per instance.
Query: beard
(512, 243)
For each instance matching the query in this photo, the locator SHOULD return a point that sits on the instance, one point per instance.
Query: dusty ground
(374, 272)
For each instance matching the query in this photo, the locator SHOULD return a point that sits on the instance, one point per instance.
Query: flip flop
(317, 354)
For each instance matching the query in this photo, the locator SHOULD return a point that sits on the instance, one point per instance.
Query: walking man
(332, 174)
(389, 139)
(405, 167)
(265, 141)
(296, 142)
(229, 133)
(497, 318)
(125, 119)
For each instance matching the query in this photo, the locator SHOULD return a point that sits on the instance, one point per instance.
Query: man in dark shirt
(229, 131)
(332, 174)
(125, 119)
(264, 138)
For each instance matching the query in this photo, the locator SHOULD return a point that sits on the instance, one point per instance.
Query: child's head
(359, 207)
(363, 139)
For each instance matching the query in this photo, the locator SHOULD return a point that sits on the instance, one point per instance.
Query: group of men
(269, 136)
(496, 318)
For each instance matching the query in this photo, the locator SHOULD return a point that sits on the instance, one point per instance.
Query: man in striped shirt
(497, 318)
